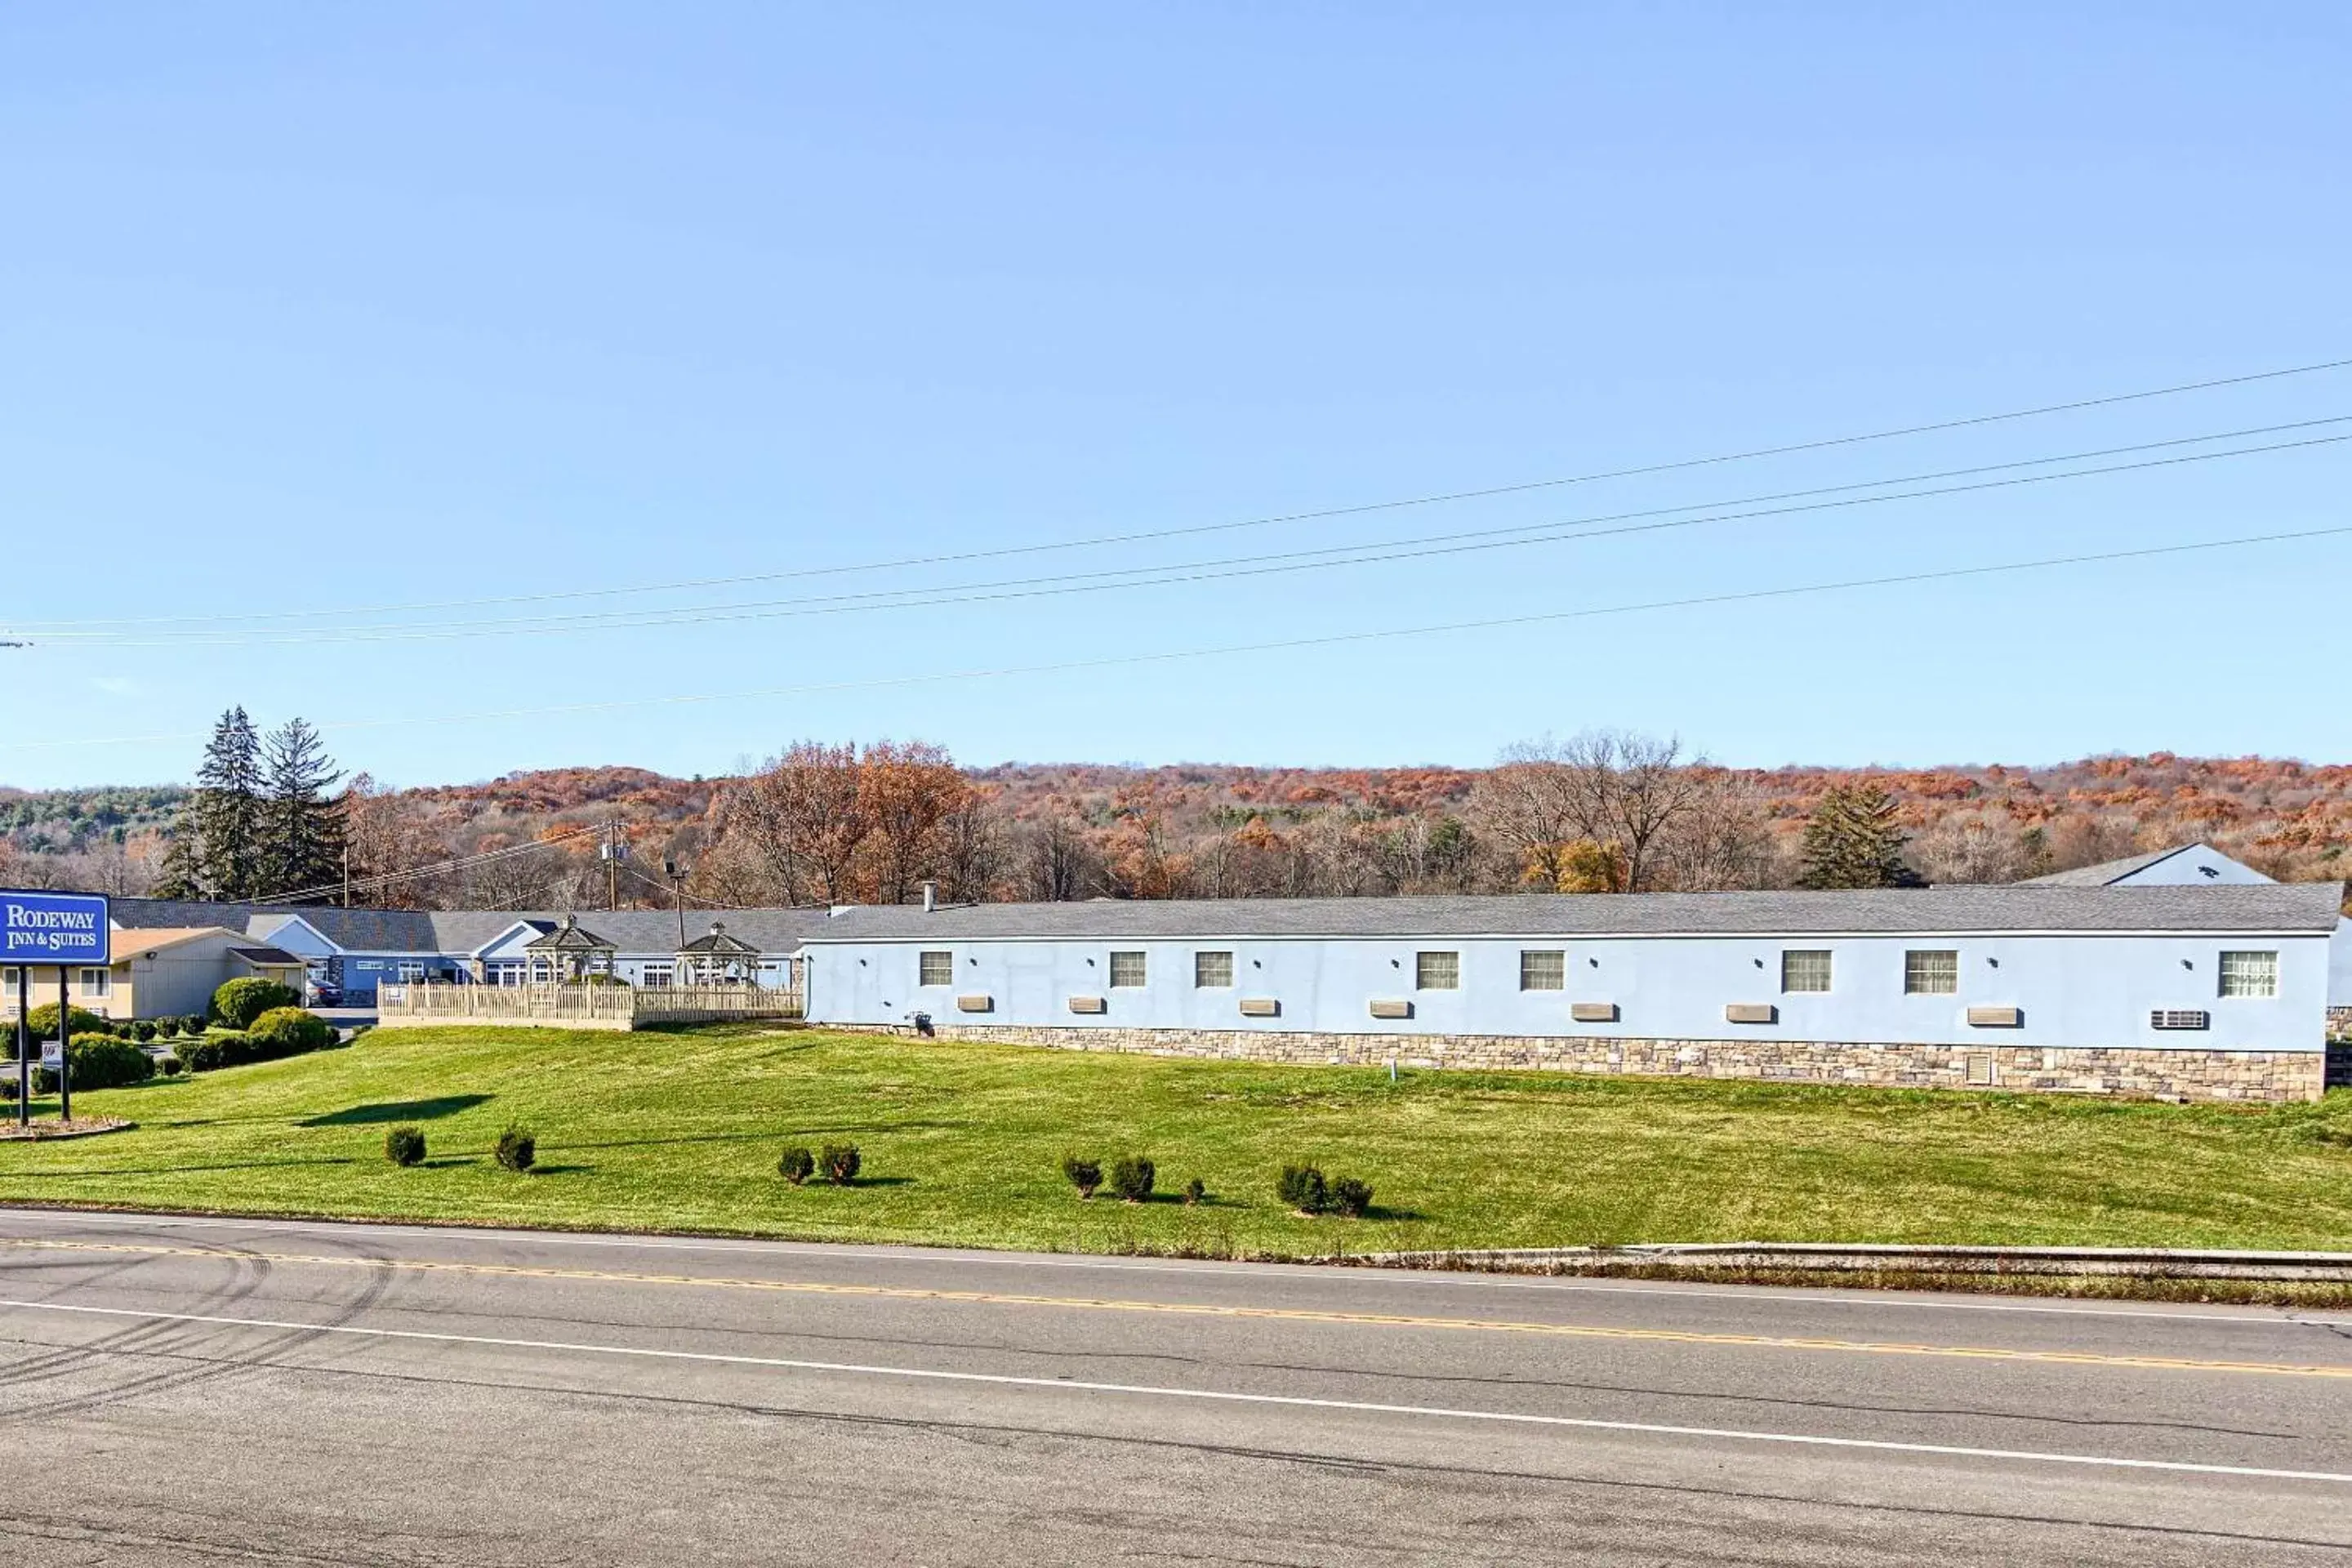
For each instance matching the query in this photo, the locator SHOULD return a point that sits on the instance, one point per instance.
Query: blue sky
(320, 308)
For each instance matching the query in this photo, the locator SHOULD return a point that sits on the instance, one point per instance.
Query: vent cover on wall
(1261, 1008)
(1391, 1008)
(1751, 1013)
(1088, 1005)
(1592, 1012)
(979, 1003)
(2179, 1019)
(1996, 1018)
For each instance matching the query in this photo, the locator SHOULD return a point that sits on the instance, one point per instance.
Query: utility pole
(347, 873)
(615, 849)
(678, 875)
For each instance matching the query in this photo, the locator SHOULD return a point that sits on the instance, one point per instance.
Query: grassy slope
(681, 1131)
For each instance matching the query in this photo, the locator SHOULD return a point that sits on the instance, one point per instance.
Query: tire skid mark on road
(1210, 1309)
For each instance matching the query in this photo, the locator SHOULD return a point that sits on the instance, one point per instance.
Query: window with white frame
(1213, 970)
(1805, 969)
(8, 979)
(1929, 972)
(1437, 970)
(657, 974)
(95, 982)
(411, 971)
(1127, 971)
(935, 968)
(2250, 973)
(1543, 970)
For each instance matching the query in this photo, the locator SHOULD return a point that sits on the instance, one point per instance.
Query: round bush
(1082, 1172)
(193, 1023)
(101, 1061)
(289, 1032)
(1195, 1191)
(796, 1166)
(142, 1030)
(171, 1066)
(239, 1002)
(516, 1149)
(1303, 1188)
(1351, 1197)
(43, 1022)
(839, 1162)
(404, 1145)
(1131, 1176)
(168, 1027)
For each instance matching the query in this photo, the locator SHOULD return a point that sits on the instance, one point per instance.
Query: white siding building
(2210, 991)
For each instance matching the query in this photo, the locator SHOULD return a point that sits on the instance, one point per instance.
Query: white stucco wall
(2081, 991)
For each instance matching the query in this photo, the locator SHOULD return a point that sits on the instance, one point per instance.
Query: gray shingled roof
(775, 932)
(2307, 907)
(2107, 871)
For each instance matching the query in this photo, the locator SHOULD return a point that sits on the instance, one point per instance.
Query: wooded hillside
(1083, 830)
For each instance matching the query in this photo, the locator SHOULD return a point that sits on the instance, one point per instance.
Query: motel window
(2250, 974)
(1933, 972)
(8, 979)
(1543, 971)
(1437, 970)
(1126, 970)
(657, 974)
(935, 968)
(411, 971)
(1805, 969)
(1213, 970)
(94, 982)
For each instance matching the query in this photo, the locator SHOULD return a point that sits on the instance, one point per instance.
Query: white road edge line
(1460, 1278)
(1586, 1424)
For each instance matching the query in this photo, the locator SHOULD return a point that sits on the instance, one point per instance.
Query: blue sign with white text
(53, 928)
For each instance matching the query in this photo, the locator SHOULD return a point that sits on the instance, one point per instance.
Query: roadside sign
(53, 1054)
(53, 928)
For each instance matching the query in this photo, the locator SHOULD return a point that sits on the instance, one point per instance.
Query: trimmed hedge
(44, 1020)
(239, 1002)
(99, 1061)
(404, 1145)
(290, 1032)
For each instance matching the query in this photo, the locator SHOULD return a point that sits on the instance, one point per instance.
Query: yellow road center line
(1192, 1309)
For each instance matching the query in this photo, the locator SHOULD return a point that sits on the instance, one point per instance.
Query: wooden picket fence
(575, 1006)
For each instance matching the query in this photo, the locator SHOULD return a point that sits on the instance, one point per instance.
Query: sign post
(23, 1044)
(60, 928)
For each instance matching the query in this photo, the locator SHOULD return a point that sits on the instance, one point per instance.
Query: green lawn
(962, 1144)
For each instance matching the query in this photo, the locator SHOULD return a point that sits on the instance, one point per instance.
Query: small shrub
(142, 1030)
(1302, 1187)
(839, 1161)
(43, 1020)
(193, 1023)
(168, 1027)
(406, 1146)
(101, 1061)
(199, 1053)
(1084, 1175)
(1194, 1192)
(239, 1002)
(125, 1029)
(516, 1149)
(796, 1166)
(1351, 1197)
(288, 1032)
(1131, 1176)
(171, 1066)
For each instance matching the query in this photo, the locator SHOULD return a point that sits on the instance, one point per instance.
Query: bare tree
(807, 815)
(971, 848)
(1721, 842)
(1056, 863)
(1604, 786)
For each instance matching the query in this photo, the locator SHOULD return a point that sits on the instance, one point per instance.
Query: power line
(1283, 645)
(1358, 510)
(438, 868)
(1425, 546)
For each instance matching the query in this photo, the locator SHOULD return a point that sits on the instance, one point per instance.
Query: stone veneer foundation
(2201, 1075)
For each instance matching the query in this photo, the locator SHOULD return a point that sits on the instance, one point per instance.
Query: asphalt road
(190, 1391)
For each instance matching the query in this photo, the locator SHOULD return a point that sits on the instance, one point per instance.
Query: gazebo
(569, 954)
(717, 960)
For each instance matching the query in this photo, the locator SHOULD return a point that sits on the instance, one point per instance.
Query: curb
(1830, 1257)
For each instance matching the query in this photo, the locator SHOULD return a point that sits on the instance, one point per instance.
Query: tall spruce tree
(216, 841)
(301, 825)
(1853, 840)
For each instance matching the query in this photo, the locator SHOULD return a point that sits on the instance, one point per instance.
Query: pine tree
(1853, 841)
(215, 843)
(301, 826)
